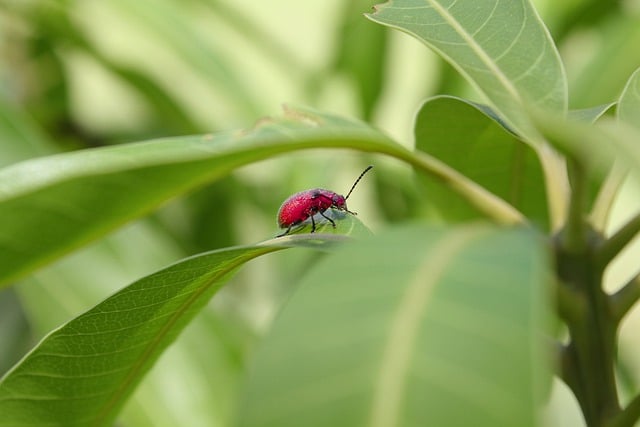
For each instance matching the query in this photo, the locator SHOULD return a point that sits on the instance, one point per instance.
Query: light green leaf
(501, 46)
(468, 138)
(20, 138)
(590, 114)
(50, 205)
(629, 102)
(414, 327)
(595, 146)
(628, 114)
(82, 373)
(364, 63)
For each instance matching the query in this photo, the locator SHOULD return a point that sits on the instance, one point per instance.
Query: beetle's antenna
(358, 180)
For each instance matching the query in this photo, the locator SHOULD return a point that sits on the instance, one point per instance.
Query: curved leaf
(415, 327)
(82, 373)
(590, 114)
(501, 46)
(468, 138)
(629, 102)
(50, 205)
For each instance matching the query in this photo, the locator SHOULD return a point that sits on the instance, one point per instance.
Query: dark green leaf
(469, 139)
(82, 373)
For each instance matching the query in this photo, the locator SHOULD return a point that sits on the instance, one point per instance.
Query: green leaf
(467, 137)
(628, 114)
(502, 47)
(50, 205)
(629, 102)
(346, 224)
(590, 114)
(20, 138)
(82, 373)
(174, 29)
(606, 62)
(414, 327)
(364, 62)
(595, 146)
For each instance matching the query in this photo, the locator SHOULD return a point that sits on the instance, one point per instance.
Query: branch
(574, 237)
(481, 198)
(629, 415)
(624, 299)
(614, 244)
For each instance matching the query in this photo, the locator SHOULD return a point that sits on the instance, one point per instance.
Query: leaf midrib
(104, 414)
(406, 323)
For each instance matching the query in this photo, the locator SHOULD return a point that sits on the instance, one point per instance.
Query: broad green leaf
(629, 102)
(202, 367)
(82, 373)
(466, 137)
(50, 205)
(414, 327)
(501, 46)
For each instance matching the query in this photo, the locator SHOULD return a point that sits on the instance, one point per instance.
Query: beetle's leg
(286, 231)
(313, 223)
(329, 219)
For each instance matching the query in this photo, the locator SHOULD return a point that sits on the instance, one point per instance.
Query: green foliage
(426, 351)
(416, 324)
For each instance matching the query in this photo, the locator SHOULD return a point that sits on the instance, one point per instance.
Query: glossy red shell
(304, 204)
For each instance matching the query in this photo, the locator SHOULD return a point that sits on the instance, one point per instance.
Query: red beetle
(305, 204)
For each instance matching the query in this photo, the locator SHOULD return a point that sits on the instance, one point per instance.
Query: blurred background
(90, 73)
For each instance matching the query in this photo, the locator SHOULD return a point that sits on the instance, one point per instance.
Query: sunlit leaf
(629, 103)
(502, 47)
(50, 205)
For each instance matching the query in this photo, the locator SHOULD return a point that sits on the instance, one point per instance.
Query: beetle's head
(339, 202)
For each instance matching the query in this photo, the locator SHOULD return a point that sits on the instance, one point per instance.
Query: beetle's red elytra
(305, 204)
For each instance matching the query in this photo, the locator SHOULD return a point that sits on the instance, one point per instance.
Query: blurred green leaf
(595, 146)
(468, 138)
(502, 47)
(414, 327)
(82, 373)
(20, 137)
(362, 52)
(165, 21)
(612, 54)
(49, 206)
(15, 333)
(590, 114)
(629, 102)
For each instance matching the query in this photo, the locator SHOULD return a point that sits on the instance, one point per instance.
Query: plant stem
(625, 298)
(574, 236)
(588, 360)
(629, 416)
(612, 247)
